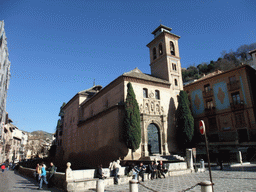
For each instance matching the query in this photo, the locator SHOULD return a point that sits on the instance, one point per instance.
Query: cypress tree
(132, 130)
(184, 121)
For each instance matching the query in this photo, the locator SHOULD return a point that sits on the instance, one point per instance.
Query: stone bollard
(134, 187)
(100, 185)
(189, 159)
(206, 186)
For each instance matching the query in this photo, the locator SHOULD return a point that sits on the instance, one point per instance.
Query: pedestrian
(38, 172)
(155, 169)
(151, 170)
(3, 167)
(116, 167)
(52, 170)
(142, 169)
(42, 177)
(135, 171)
(99, 172)
(161, 169)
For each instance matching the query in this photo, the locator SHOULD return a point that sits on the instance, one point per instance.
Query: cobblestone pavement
(11, 181)
(228, 180)
(235, 179)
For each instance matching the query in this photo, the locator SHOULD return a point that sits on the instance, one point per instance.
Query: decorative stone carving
(141, 108)
(162, 109)
(151, 94)
(152, 106)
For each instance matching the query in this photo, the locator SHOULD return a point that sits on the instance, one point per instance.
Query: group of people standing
(41, 174)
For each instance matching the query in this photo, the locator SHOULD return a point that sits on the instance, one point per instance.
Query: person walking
(38, 172)
(42, 177)
(3, 167)
(52, 170)
(116, 167)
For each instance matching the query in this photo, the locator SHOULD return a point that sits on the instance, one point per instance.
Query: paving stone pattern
(228, 180)
(235, 179)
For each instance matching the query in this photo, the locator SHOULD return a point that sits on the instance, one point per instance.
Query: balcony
(210, 111)
(234, 85)
(208, 93)
(238, 105)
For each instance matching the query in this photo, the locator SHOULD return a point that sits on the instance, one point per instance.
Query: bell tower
(165, 57)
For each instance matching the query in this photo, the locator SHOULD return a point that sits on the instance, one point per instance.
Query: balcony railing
(234, 85)
(208, 93)
(210, 111)
(238, 105)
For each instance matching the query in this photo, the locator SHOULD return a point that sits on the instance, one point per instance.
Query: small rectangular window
(236, 98)
(207, 87)
(157, 94)
(209, 104)
(145, 93)
(174, 67)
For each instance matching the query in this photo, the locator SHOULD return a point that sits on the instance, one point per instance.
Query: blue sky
(58, 47)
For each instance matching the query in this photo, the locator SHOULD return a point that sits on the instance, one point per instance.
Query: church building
(93, 119)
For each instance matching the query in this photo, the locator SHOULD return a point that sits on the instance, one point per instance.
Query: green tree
(132, 130)
(184, 121)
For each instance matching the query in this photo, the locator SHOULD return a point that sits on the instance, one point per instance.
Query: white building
(4, 79)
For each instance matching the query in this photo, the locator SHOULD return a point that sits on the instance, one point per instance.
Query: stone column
(206, 186)
(189, 159)
(100, 185)
(134, 185)
(69, 178)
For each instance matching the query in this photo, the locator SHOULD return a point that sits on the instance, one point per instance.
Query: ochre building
(91, 130)
(226, 103)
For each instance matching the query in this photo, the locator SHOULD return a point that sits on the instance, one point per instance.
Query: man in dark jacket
(152, 170)
(52, 170)
(99, 172)
(141, 169)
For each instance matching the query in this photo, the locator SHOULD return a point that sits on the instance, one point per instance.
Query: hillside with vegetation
(227, 61)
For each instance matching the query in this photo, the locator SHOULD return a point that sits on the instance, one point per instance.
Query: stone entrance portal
(153, 139)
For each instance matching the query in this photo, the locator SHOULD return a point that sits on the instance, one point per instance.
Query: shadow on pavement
(32, 184)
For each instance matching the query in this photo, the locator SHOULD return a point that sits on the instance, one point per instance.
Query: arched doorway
(153, 139)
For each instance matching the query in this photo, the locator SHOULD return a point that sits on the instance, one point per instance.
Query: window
(157, 94)
(236, 98)
(154, 53)
(160, 49)
(174, 67)
(145, 93)
(207, 88)
(209, 104)
(172, 50)
(175, 82)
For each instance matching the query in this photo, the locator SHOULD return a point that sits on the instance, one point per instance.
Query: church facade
(93, 118)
